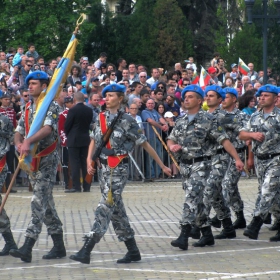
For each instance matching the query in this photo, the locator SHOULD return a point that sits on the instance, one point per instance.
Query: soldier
(263, 130)
(192, 141)
(43, 167)
(113, 174)
(227, 175)
(6, 134)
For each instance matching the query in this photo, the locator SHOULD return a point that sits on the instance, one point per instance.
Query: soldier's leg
(5, 226)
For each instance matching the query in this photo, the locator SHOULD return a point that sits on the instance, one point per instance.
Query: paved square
(154, 210)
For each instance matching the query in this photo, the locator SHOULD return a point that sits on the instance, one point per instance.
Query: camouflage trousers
(193, 179)
(212, 196)
(268, 172)
(4, 219)
(42, 202)
(116, 179)
(230, 185)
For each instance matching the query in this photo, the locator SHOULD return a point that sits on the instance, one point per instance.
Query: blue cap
(5, 94)
(37, 75)
(193, 88)
(1, 93)
(231, 91)
(217, 89)
(154, 86)
(113, 88)
(233, 65)
(267, 88)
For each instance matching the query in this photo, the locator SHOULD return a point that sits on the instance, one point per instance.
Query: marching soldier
(43, 167)
(263, 130)
(192, 141)
(113, 174)
(6, 134)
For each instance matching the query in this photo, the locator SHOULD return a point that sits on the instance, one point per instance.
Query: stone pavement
(154, 210)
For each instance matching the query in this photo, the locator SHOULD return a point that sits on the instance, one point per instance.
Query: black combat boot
(195, 232)
(83, 255)
(58, 249)
(228, 231)
(207, 238)
(215, 222)
(182, 240)
(240, 222)
(24, 252)
(252, 230)
(276, 237)
(267, 220)
(275, 226)
(10, 243)
(133, 254)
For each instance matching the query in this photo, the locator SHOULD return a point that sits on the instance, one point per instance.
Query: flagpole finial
(79, 22)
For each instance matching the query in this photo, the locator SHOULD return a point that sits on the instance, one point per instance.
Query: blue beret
(193, 88)
(113, 88)
(37, 75)
(217, 89)
(231, 91)
(278, 89)
(267, 88)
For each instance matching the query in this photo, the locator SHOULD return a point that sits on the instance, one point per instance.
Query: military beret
(5, 94)
(193, 88)
(217, 89)
(68, 99)
(37, 75)
(278, 89)
(231, 91)
(113, 88)
(267, 88)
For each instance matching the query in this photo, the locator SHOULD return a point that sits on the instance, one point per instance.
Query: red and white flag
(242, 67)
(204, 78)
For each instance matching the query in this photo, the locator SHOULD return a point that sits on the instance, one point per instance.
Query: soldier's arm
(245, 135)
(18, 139)
(91, 149)
(173, 147)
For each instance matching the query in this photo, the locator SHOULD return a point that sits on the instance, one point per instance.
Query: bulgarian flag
(204, 78)
(242, 67)
(195, 78)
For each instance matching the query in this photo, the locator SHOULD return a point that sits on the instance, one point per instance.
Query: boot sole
(74, 258)
(135, 259)
(229, 236)
(203, 245)
(16, 254)
(179, 246)
(54, 257)
(248, 234)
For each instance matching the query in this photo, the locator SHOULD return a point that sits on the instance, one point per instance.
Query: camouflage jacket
(6, 134)
(51, 119)
(199, 137)
(270, 127)
(232, 122)
(126, 134)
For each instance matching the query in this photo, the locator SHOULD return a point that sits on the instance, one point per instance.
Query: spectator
(161, 110)
(152, 118)
(77, 131)
(101, 60)
(133, 76)
(112, 76)
(136, 92)
(32, 52)
(171, 106)
(121, 64)
(252, 72)
(143, 79)
(51, 68)
(75, 75)
(191, 64)
(155, 76)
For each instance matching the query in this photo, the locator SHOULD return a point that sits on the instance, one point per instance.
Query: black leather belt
(265, 157)
(104, 161)
(193, 160)
(240, 150)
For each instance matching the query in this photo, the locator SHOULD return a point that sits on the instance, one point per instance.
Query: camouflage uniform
(220, 192)
(267, 161)
(42, 181)
(197, 139)
(6, 134)
(123, 139)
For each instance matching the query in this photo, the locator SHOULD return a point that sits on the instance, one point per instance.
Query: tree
(48, 26)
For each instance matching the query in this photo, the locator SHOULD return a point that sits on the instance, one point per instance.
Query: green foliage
(48, 25)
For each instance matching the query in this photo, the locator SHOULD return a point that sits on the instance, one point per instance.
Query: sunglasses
(185, 85)
(143, 77)
(85, 63)
(161, 87)
(28, 65)
(26, 96)
(113, 74)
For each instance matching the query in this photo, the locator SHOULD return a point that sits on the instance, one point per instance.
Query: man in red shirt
(69, 103)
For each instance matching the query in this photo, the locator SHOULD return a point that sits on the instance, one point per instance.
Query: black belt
(240, 150)
(104, 161)
(265, 157)
(193, 160)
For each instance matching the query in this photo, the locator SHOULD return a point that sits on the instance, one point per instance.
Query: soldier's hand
(167, 171)
(25, 148)
(258, 136)
(250, 163)
(175, 148)
(239, 165)
(90, 169)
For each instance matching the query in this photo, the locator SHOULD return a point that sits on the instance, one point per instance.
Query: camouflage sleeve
(21, 126)
(247, 125)
(243, 121)
(6, 127)
(134, 132)
(217, 131)
(51, 118)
